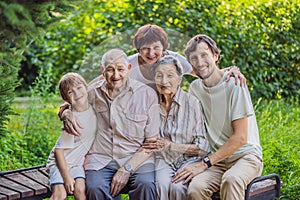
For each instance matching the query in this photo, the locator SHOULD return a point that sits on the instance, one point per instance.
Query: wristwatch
(206, 160)
(128, 168)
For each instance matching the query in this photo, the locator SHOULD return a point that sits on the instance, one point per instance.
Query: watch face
(206, 159)
(128, 167)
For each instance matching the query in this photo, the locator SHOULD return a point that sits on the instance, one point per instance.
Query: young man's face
(116, 74)
(151, 52)
(78, 96)
(203, 61)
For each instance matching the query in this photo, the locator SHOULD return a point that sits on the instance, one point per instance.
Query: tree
(21, 23)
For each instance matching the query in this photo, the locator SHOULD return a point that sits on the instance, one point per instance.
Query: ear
(129, 66)
(168, 45)
(216, 58)
(179, 80)
(101, 69)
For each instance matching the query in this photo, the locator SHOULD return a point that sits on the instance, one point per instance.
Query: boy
(65, 162)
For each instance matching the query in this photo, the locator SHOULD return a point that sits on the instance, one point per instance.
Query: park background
(42, 40)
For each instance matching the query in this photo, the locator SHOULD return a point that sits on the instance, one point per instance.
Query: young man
(236, 154)
(65, 162)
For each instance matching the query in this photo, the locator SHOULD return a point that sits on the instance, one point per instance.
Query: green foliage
(35, 129)
(279, 126)
(261, 37)
(21, 23)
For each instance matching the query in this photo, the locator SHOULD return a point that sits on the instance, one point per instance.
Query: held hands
(119, 181)
(71, 124)
(188, 173)
(234, 71)
(156, 144)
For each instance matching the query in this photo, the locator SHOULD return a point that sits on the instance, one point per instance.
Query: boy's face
(203, 61)
(78, 97)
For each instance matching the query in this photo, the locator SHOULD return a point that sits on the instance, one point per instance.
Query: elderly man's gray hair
(168, 60)
(112, 56)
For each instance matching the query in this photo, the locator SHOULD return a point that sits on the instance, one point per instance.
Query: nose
(164, 80)
(116, 74)
(199, 61)
(151, 51)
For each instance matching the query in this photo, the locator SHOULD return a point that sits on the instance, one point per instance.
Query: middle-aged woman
(182, 139)
(151, 42)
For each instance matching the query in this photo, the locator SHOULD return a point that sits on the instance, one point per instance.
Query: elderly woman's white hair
(168, 60)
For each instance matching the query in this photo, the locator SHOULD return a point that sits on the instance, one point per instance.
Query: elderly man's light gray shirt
(123, 123)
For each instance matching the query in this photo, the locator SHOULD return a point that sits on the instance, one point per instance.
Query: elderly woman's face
(151, 52)
(167, 79)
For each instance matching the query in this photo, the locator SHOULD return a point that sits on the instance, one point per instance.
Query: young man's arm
(237, 140)
(69, 182)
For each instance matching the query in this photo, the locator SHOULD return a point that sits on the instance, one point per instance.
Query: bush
(261, 37)
(36, 128)
(279, 127)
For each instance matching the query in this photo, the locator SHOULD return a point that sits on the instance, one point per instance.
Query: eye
(158, 76)
(109, 70)
(157, 48)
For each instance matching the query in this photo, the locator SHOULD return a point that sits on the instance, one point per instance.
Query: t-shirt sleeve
(241, 104)
(66, 141)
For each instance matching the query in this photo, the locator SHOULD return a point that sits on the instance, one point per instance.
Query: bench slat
(12, 194)
(23, 180)
(13, 185)
(3, 197)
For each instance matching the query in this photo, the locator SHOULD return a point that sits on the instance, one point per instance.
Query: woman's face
(167, 79)
(151, 52)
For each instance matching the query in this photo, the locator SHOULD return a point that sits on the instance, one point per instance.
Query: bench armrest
(263, 178)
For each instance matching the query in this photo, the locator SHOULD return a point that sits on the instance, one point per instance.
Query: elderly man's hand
(71, 124)
(119, 181)
(235, 72)
(188, 173)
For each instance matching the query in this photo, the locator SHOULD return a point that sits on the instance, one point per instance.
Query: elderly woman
(182, 139)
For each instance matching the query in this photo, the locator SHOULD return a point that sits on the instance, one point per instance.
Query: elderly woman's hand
(155, 144)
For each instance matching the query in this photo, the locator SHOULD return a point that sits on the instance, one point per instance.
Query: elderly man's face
(116, 74)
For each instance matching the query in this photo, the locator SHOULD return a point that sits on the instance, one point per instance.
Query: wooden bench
(32, 183)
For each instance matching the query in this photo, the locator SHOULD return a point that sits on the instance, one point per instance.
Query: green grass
(36, 128)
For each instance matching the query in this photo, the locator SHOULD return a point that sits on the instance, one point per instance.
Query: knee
(146, 184)
(79, 191)
(198, 190)
(178, 187)
(230, 180)
(58, 196)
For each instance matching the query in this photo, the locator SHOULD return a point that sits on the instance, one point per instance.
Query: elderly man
(127, 113)
(236, 154)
